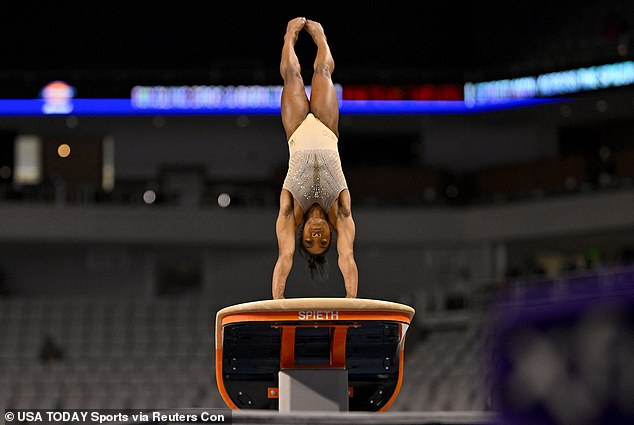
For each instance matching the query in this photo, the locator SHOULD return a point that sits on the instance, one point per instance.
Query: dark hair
(317, 264)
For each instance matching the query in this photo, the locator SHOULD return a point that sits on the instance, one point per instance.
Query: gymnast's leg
(323, 97)
(295, 105)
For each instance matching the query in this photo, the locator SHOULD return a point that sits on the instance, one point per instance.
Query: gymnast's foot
(294, 27)
(316, 31)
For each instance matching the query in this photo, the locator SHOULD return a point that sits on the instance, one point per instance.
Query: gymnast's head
(315, 238)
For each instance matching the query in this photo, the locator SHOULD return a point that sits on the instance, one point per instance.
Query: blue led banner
(57, 98)
(551, 84)
(114, 107)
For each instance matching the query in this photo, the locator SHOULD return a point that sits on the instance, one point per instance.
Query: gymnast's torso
(314, 168)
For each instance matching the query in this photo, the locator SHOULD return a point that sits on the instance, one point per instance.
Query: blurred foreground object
(564, 349)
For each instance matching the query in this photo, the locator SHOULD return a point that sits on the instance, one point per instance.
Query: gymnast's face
(316, 236)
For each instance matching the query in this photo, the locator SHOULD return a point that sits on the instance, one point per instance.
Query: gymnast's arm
(285, 229)
(345, 245)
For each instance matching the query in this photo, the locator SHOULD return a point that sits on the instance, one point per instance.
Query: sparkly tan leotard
(314, 168)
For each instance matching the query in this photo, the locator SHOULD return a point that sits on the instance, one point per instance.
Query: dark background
(103, 44)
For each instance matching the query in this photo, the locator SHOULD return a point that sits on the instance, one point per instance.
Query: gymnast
(315, 201)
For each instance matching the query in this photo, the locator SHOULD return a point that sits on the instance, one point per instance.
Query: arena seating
(113, 354)
(159, 354)
(447, 371)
